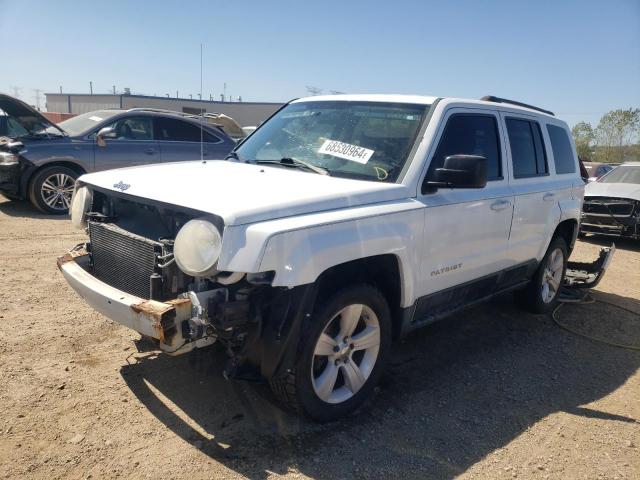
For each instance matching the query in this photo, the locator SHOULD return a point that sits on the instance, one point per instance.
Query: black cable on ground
(575, 296)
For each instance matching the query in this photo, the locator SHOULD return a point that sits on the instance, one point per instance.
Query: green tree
(615, 132)
(583, 136)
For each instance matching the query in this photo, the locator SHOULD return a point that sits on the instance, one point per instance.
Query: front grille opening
(122, 259)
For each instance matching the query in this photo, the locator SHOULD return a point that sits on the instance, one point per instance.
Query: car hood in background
(243, 193)
(621, 190)
(28, 117)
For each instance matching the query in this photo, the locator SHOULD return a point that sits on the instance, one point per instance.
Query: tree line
(613, 140)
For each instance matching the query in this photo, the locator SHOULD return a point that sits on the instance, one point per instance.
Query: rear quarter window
(561, 146)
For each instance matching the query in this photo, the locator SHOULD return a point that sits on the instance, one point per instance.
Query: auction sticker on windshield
(346, 151)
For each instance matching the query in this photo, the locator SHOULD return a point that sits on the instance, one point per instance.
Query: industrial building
(245, 113)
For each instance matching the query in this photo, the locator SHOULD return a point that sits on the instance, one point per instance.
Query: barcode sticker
(346, 151)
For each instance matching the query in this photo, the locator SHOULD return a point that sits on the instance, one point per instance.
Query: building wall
(245, 113)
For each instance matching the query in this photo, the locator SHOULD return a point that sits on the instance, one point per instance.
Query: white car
(341, 223)
(612, 203)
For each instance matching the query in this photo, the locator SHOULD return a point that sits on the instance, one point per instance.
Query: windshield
(362, 140)
(623, 174)
(82, 123)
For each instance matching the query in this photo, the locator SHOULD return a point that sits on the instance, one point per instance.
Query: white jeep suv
(341, 223)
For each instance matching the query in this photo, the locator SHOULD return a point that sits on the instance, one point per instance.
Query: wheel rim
(552, 276)
(345, 353)
(56, 191)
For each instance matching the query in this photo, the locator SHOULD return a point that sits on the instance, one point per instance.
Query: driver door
(466, 229)
(134, 144)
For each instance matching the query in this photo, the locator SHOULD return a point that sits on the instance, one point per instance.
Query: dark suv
(41, 161)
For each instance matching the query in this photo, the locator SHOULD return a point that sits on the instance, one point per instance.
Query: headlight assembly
(80, 205)
(197, 248)
(7, 158)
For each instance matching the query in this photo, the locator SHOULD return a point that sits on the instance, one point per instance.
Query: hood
(28, 117)
(243, 193)
(621, 190)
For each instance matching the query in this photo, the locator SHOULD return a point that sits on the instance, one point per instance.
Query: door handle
(150, 151)
(548, 197)
(500, 205)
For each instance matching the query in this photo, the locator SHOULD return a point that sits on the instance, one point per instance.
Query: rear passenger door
(467, 229)
(536, 210)
(180, 140)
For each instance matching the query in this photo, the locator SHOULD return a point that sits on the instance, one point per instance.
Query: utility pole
(114, 89)
(91, 87)
(167, 95)
(37, 92)
(177, 94)
(210, 98)
(16, 91)
(191, 96)
(60, 88)
(224, 91)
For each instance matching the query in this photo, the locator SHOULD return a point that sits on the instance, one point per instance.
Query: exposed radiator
(122, 259)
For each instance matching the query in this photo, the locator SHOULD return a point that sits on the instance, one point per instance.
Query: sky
(579, 59)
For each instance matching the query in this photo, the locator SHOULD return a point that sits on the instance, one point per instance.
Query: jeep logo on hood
(121, 186)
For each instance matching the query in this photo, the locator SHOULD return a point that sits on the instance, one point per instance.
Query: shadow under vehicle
(438, 411)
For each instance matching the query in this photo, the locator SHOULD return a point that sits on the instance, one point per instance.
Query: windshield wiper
(294, 162)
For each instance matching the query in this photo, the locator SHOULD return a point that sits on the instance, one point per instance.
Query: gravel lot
(489, 393)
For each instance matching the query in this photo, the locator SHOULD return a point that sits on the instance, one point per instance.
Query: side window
(527, 149)
(174, 130)
(470, 134)
(134, 128)
(561, 147)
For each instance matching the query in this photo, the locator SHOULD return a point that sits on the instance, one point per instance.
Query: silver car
(41, 161)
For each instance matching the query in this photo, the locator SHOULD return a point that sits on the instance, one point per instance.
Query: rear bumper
(159, 320)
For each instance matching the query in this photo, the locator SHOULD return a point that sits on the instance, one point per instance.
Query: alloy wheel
(345, 353)
(552, 275)
(56, 191)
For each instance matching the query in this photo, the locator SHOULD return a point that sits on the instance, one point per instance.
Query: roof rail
(160, 110)
(491, 98)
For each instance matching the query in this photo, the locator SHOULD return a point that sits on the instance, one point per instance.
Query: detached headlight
(80, 205)
(197, 248)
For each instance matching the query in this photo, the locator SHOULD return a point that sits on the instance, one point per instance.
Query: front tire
(51, 189)
(541, 295)
(342, 354)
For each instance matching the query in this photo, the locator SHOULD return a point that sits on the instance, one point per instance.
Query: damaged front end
(127, 271)
(12, 166)
(611, 216)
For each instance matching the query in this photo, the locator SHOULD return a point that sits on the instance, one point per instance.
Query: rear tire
(51, 189)
(342, 354)
(541, 294)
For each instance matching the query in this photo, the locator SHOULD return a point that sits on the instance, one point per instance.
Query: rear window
(527, 149)
(561, 147)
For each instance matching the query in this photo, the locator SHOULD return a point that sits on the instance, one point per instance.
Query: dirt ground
(489, 393)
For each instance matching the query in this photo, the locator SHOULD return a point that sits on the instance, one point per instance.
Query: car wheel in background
(342, 354)
(51, 189)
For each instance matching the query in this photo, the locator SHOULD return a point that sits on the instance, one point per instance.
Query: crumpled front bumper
(159, 320)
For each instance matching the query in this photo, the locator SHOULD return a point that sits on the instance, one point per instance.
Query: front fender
(300, 257)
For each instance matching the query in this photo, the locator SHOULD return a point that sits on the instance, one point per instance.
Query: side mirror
(460, 171)
(103, 134)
